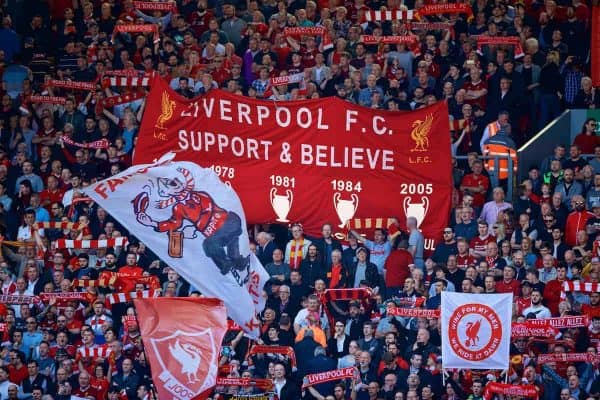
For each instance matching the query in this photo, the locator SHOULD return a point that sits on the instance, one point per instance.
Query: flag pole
(152, 387)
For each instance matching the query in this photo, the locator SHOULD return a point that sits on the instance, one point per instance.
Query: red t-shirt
(396, 267)
(17, 375)
(479, 244)
(513, 287)
(477, 180)
(464, 261)
(478, 86)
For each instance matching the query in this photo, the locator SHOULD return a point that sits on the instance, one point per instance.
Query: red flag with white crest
(182, 347)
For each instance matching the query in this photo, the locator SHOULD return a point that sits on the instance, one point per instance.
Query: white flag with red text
(195, 224)
(476, 330)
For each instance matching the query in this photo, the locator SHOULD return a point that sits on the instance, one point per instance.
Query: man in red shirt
(17, 370)
(553, 288)
(129, 272)
(477, 184)
(508, 284)
(576, 220)
(463, 258)
(525, 300)
(593, 309)
(85, 390)
(395, 269)
(479, 244)
(476, 89)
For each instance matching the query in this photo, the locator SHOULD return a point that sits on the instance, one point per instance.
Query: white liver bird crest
(188, 356)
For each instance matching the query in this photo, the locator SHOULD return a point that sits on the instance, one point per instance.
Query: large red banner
(595, 46)
(312, 161)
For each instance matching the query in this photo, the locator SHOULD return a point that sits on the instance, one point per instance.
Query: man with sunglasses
(576, 220)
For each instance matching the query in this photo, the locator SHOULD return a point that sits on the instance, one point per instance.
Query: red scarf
(335, 276)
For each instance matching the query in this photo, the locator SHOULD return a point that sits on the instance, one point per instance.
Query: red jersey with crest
(480, 244)
(463, 261)
(476, 87)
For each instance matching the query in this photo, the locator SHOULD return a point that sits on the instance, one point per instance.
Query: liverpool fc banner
(312, 161)
(476, 330)
(193, 222)
(182, 339)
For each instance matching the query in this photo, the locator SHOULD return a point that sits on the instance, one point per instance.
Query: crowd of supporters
(58, 135)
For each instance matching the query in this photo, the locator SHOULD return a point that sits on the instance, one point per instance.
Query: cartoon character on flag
(194, 212)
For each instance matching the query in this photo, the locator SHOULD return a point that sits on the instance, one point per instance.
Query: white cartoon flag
(195, 224)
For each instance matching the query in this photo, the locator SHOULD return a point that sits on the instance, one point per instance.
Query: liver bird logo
(188, 356)
(472, 332)
(167, 107)
(420, 133)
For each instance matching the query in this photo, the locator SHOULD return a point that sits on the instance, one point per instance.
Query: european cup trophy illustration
(417, 210)
(345, 208)
(281, 204)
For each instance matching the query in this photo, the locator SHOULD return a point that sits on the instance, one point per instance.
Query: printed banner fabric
(182, 338)
(476, 330)
(310, 161)
(195, 224)
(595, 43)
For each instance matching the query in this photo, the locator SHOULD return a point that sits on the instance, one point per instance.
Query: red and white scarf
(62, 225)
(94, 352)
(73, 85)
(412, 312)
(137, 28)
(565, 357)
(90, 244)
(578, 286)
(394, 15)
(85, 283)
(80, 296)
(328, 376)
(299, 31)
(283, 350)
(47, 99)
(576, 321)
(483, 40)
(122, 99)
(522, 330)
(529, 391)
(410, 40)
(445, 8)
(115, 298)
(126, 81)
(369, 223)
(432, 26)
(18, 299)
(97, 144)
(155, 6)
(264, 384)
